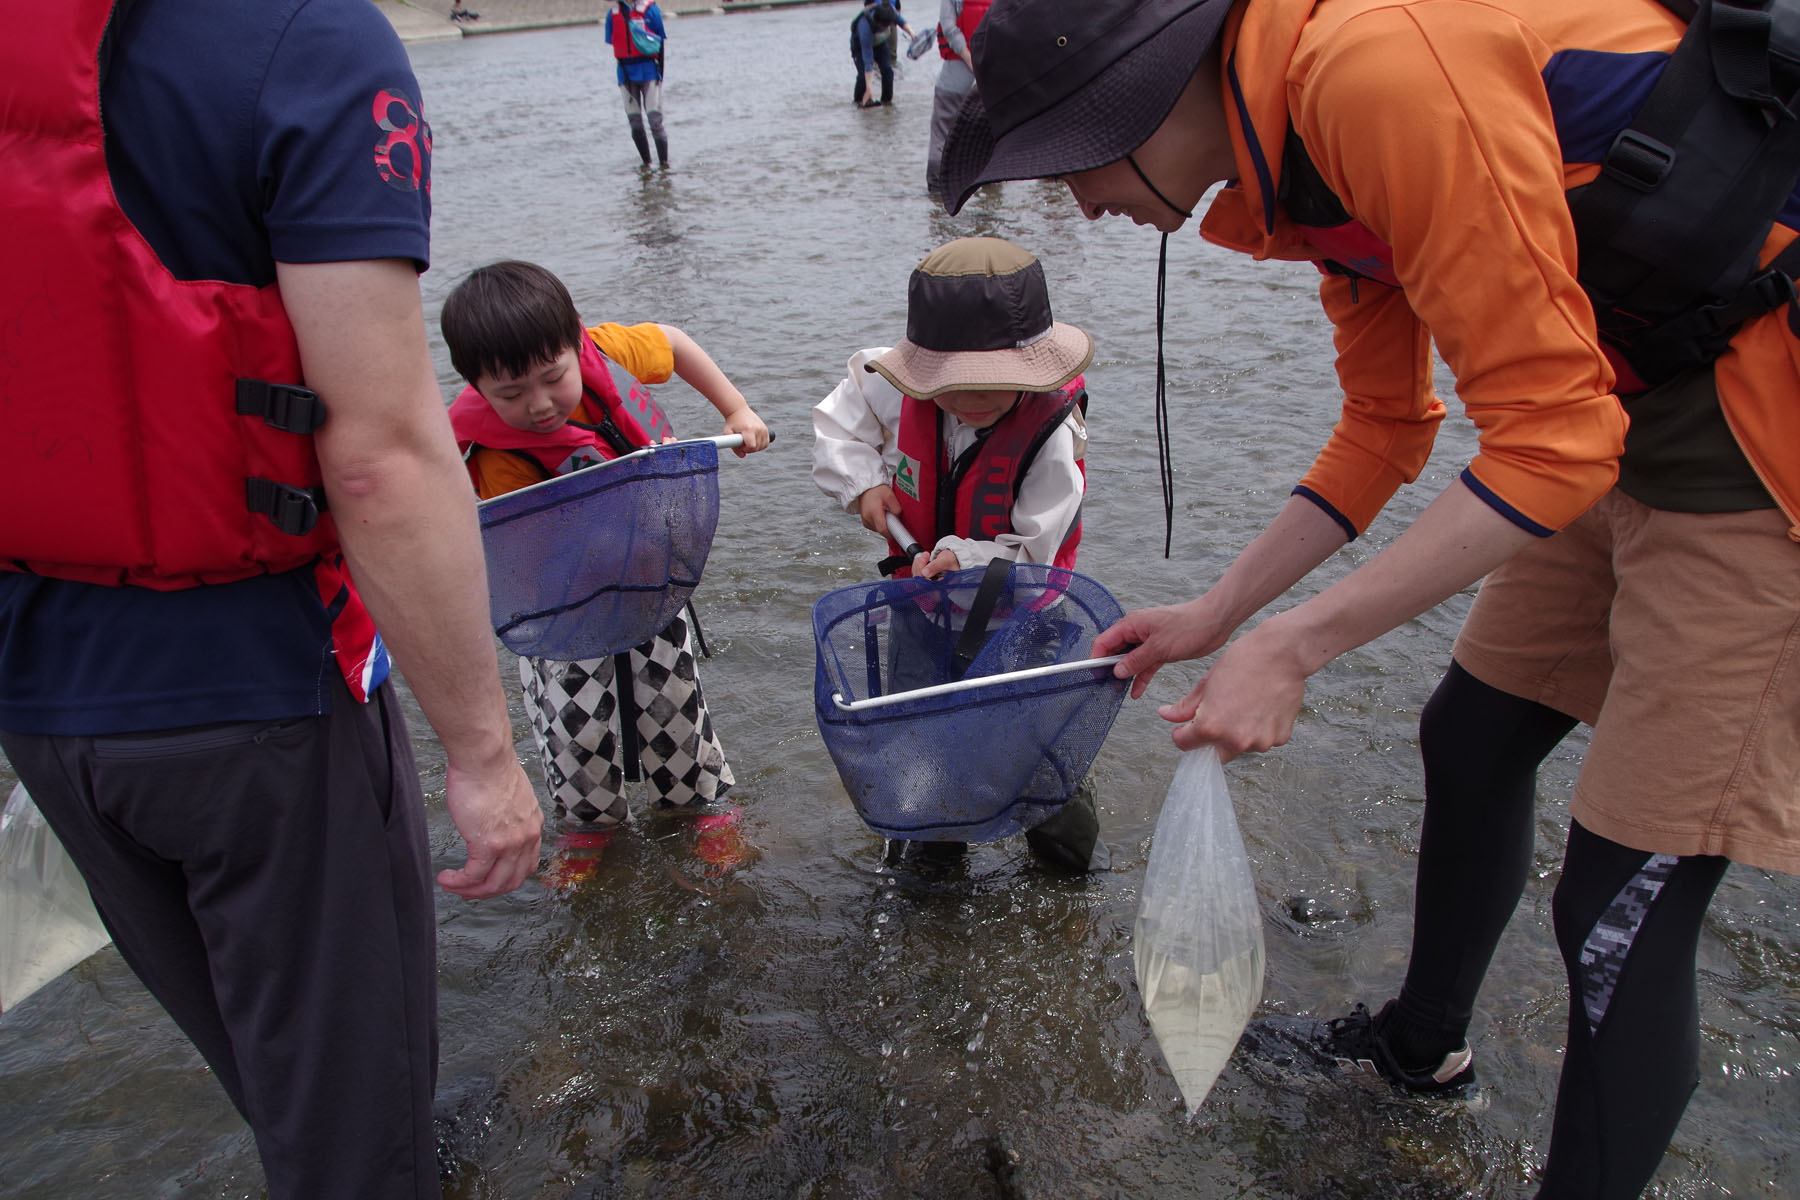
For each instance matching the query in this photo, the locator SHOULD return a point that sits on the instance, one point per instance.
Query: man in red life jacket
(972, 432)
(1438, 160)
(191, 687)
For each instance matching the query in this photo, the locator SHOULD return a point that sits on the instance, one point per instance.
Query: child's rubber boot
(1071, 838)
(574, 857)
(719, 841)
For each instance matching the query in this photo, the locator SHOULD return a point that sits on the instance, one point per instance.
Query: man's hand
(1248, 701)
(498, 816)
(1157, 636)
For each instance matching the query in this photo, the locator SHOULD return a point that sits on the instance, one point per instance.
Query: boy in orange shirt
(541, 402)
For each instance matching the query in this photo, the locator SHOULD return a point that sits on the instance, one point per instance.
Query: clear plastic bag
(1197, 944)
(47, 919)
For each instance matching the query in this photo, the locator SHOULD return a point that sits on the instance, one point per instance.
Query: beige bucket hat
(978, 319)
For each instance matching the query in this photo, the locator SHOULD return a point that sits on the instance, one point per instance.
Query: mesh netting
(597, 561)
(979, 764)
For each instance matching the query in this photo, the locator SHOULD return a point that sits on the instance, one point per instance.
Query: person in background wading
(634, 29)
(957, 22)
(1422, 152)
(192, 686)
(872, 50)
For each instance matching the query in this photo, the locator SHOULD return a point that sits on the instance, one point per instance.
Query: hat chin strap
(1164, 449)
(1186, 213)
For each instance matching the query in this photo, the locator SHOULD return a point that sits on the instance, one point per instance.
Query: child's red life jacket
(625, 47)
(625, 424)
(966, 20)
(974, 496)
(155, 429)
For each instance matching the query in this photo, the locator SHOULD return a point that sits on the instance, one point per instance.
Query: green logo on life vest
(906, 477)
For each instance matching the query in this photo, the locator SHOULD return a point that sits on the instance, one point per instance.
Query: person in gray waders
(635, 32)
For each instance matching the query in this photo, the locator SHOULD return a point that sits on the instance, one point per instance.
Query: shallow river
(807, 1023)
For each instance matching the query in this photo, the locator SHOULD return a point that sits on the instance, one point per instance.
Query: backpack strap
(1671, 228)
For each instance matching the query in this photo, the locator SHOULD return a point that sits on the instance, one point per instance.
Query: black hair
(883, 17)
(507, 318)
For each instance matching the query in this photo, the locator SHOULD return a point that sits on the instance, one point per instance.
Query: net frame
(607, 593)
(907, 765)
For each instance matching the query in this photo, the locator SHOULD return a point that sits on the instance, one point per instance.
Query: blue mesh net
(597, 561)
(975, 765)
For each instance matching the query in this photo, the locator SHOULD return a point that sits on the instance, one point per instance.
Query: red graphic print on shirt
(400, 154)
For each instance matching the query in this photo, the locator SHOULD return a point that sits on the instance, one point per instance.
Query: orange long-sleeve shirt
(1431, 122)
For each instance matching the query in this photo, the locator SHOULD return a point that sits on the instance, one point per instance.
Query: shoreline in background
(429, 20)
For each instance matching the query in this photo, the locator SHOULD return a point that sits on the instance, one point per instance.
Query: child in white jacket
(971, 431)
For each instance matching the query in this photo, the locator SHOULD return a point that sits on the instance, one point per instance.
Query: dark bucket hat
(978, 319)
(1065, 86)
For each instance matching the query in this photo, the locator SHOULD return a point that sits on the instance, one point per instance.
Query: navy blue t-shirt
(238, 135)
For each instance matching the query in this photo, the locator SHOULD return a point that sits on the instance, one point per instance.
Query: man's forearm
(399, 494)
(414, 550)
(1457, 539)
(1300, 537)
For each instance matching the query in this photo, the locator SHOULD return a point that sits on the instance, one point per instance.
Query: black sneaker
(1355, 1044)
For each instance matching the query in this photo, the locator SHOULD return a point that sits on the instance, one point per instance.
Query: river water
(795, 1019)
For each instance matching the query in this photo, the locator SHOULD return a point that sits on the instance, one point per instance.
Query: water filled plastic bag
(600, 560)
(978, 763)
(47, 920)
(1197, 944)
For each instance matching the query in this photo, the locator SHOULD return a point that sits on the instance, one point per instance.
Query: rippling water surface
(806, 1023)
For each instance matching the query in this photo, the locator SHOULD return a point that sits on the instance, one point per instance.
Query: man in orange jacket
(1422, 153)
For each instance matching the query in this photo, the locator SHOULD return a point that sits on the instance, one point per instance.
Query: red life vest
(134, 449)
(624, 46)
(966, 20)
(625, 424)
(974, 496)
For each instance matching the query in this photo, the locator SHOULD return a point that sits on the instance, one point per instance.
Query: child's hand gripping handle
(731, 441)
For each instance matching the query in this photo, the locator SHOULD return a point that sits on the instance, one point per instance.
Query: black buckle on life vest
(1638, 162)
(284, 406)
(293, 510)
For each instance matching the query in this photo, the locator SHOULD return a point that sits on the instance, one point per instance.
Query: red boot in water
(574, 858)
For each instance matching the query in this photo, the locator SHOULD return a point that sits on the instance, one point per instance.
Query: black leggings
(1632, 1058)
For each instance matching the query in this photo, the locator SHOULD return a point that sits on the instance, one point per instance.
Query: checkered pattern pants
(578, 716)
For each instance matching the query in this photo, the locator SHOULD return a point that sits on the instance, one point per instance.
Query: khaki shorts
(1677, 637)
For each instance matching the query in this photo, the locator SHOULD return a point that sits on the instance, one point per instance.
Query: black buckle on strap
(1761, 293)
(1770, 290)
(284, 406)
(293, 510)
(1638, 162)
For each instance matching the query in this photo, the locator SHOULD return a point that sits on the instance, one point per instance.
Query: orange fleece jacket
(1430, 121)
